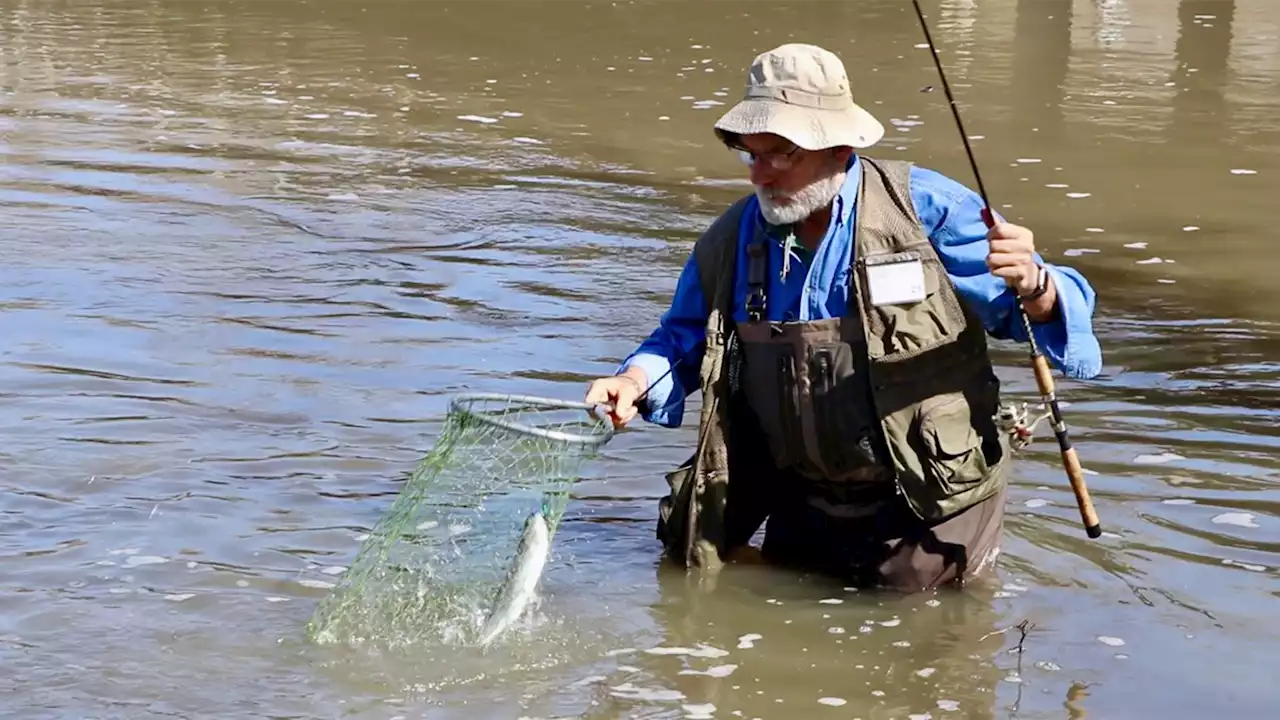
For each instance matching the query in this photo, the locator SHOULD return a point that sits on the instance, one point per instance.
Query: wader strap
(757, 265)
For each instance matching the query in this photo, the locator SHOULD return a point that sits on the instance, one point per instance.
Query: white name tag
(896, 283)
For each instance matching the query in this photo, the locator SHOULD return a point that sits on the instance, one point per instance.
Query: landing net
(431, 568)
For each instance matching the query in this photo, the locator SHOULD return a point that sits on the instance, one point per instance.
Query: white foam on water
(830, 601)
(926, 672)
(1094, 230)
(179, 597)
(718, 671)
(412, 75)
(1179, 501)
(307, 582)
(949, 705)
(1078, 195)
(832, 701)
(1029, 160)
(1109, 640)
(123, 551)
(643, 58)
(277, 599)
(1013, 678)
(245, 584)
(478, 118)
(836, 630)
(902, 643)
(527, 141)
(1036, 502)
(865, 629)
(334, 570)
(317, 116)
(1239, 519)
(1166, 281)
(1121, 656)
(1149, 261)
(1013, 587)
(191, 565)
(933, 603)
(1136, 245)
(922, 46)
(747, 641)
(920, 716)
(1162, 458)
(1190, 228)
(1057, 186)
(1243, 171)
(1246, 566)
(878, 693)
(699, 712)
(275, 101)
(891, 623)
(664, 117)
(1004, 594)
(1048, 666)
(137, 560)
(1072, 252)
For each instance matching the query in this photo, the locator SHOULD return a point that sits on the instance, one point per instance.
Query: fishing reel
(1012, 419)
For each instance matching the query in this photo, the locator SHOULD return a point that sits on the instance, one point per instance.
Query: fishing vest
(892, 399)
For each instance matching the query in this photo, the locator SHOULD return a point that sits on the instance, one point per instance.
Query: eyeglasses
(776, 160)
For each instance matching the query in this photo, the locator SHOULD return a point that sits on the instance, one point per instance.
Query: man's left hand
(1010, 257)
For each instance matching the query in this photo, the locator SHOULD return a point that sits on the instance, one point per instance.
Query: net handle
(462, 404)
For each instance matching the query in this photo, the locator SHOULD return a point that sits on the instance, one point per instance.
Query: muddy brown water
(250, 250)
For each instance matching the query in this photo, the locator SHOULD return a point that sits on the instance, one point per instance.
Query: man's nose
(762, 173)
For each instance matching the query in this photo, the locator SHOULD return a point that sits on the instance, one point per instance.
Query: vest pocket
(953, 459)
(910, 328)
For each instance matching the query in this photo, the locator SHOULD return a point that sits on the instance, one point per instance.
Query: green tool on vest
(1044, 378)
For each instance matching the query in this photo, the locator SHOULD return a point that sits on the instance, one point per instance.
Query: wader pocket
(913, 327)
(773, 394)
(789, 409)
(954, 460)
(841, 413)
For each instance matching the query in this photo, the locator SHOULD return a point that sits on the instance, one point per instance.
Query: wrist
(1041, 302)
(637, 376)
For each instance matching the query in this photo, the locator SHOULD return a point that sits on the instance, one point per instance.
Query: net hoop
(461, 404)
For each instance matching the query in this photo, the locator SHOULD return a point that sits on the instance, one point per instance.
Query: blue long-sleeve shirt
(817, 287)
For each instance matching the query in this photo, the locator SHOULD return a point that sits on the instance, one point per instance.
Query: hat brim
(809, 128)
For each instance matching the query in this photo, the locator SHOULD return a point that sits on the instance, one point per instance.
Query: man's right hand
(620, 393)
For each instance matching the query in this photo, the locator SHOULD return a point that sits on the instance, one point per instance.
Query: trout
(522, 578)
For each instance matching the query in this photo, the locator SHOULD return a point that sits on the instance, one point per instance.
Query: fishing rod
(1044, 378)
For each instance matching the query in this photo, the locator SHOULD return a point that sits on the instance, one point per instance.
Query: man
(836, 324)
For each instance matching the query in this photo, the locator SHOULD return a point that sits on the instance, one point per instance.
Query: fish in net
(437, 565)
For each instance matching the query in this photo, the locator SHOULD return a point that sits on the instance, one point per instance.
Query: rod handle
(1070, 460)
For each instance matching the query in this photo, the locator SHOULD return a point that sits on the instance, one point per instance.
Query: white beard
(803, 203)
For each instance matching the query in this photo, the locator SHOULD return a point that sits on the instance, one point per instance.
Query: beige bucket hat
(801, 92)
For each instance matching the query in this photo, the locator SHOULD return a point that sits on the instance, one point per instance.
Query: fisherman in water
(836, 323)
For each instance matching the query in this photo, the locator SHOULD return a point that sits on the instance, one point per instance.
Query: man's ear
(842, 154)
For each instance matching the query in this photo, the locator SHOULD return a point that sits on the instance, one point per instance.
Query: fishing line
(1044, 377)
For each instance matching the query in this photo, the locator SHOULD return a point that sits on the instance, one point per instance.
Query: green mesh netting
(431, 569)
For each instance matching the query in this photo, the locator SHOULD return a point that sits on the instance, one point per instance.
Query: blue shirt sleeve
(952, 215)
(678, 341)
